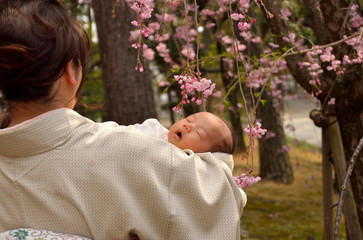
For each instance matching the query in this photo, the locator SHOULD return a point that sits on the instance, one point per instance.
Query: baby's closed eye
(199, 135)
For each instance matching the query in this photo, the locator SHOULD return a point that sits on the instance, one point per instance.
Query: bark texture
(275, 162)
(128, 93)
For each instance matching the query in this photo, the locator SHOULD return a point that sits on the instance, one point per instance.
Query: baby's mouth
(179, 134)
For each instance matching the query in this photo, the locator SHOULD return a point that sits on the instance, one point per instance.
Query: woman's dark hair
(37, 40)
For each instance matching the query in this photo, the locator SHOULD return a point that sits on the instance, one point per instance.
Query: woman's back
(65, 173)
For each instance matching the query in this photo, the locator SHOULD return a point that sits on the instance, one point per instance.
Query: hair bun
(37, 40)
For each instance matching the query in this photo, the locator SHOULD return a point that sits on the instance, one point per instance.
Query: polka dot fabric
(65, 173)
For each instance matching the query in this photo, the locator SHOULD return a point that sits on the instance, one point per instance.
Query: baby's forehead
(209, 120)
(204, 115)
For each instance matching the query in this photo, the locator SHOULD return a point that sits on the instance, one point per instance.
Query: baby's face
(198, 132)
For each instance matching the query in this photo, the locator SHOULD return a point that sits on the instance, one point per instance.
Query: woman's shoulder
(110, 135)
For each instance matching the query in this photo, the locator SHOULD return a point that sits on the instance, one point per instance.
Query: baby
(199, 132)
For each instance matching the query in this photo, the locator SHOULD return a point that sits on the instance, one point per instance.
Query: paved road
(297, 113)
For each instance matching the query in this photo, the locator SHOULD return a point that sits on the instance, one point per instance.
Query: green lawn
(295, 211)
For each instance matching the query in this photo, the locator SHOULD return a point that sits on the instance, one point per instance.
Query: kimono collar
(39, 134)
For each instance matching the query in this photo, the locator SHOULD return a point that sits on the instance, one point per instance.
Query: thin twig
(236, 51)
(347, 15)
(187, 29)
(161, 24)
(340, 201)
(196, 27)
(237, 65)
(197, 40)
(329, 92)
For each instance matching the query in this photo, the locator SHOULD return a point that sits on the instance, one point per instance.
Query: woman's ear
(71, 73)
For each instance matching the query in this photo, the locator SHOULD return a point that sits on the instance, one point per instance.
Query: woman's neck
(62, 96)
(20, 112)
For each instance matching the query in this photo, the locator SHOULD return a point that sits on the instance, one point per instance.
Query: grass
(294, 211)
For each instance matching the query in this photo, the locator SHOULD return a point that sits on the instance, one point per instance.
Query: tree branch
(340, 202)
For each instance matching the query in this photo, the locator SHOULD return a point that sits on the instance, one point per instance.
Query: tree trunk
(346, 89)
(275, 162)
(234, 114)
(128, 93)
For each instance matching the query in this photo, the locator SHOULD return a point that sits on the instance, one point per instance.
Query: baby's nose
(188, 127)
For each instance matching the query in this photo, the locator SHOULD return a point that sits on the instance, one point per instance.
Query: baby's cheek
(187, 145)
(194, 146)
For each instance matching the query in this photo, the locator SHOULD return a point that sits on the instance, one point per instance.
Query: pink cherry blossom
(254, 131)
(209, 25)
(256, 40)
(188, 51)
(236, 16)
(243, 26)
(134, 35)
(285, 12)
(149, 54)
(167, 17)
(273, 45)
(176, 109)
(290, 38)
(207, 12)
(217, 94)
(135, 23)
(269, 135)
(153, 27)
(331, 101)
(244, 180)
(198, 101)
(290, 127)
(163, 52)
(327, 56)
(173, 2)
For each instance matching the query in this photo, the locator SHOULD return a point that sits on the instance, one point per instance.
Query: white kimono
(63, 172)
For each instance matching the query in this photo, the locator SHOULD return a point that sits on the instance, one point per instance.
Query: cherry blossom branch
(264, 86)
(236, 61)
(236, 51)
(187, 28)
(340, 201)
(268, 13)
(326, 45)
(197, 37)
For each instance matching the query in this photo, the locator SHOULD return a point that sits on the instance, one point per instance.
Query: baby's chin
(172, 141)
(176, 144)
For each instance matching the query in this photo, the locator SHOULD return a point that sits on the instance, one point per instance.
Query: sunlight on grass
(295, 211)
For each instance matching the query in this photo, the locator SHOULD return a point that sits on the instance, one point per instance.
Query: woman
(62, 172)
